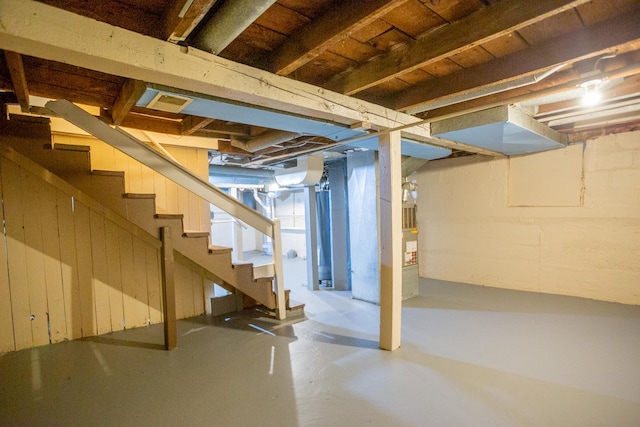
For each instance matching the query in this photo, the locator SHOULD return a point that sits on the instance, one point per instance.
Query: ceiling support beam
(336, 25)
(183, 16)
(520, 68)
(32, 28)
(192, 124)
(227, 129)
(480, 27)
(18, 79)
(129, 94)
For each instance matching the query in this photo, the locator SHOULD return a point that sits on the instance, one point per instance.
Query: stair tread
(71, 147)
(241, 263)
(139, 196)
(295, 305)
(219, 249)
(107, 173)
(168, 216)
(187, 233)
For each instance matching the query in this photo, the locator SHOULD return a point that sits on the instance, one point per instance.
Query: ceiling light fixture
(592, 88)
(592, 95)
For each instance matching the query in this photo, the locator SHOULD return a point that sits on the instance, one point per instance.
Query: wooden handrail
(177, 173)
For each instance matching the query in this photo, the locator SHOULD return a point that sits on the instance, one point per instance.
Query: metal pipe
(237, 171)
(228, 22)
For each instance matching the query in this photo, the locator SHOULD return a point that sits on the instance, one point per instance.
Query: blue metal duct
(220, 109)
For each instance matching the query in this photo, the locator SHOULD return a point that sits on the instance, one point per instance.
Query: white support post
(310, 223)
(390, 235)
(281, 310)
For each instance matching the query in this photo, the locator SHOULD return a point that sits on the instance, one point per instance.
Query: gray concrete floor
(470, 356)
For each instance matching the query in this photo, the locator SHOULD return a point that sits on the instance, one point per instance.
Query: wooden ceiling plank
(484, 25)
(335, 25)
(131, 91)
(588, 42)
(125, 15)
(414, 18)
(18, 79)
(183, 16)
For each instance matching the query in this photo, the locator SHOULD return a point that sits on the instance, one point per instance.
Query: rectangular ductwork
(504, 129)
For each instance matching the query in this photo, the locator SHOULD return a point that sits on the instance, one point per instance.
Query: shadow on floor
(105, 339)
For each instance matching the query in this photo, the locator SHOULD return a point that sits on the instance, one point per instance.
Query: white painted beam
(33, 28)
(390, 235)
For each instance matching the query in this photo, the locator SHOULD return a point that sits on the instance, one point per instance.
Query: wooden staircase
(73, 164)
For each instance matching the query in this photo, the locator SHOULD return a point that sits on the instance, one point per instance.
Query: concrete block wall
(562, 222)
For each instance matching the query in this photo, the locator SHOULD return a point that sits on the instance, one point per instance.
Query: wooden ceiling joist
(340, 21)
(568, 49)
(131, 91)
(18, 79)
(227, 128)
(183, 16)
(480, 27)
(152, 124)
(192, 124)
(557, 83)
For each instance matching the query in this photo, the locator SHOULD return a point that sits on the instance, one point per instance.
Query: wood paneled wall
(68, 271)
(170, 197)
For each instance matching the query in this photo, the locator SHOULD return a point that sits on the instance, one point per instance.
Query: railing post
(276, 239)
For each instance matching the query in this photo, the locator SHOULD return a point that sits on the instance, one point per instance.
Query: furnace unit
(410, 251)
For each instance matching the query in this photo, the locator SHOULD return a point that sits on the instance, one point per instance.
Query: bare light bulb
(592, 95)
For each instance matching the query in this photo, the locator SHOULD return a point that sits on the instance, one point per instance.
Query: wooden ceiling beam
(557, 83)
(18, 79)
(336, 25)
(192, 124)
(183, 16)
(152, 124)
(228, 129)
(131, 91)
(620, 92)
(480, 27)
(499, 73)
(225, 147)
